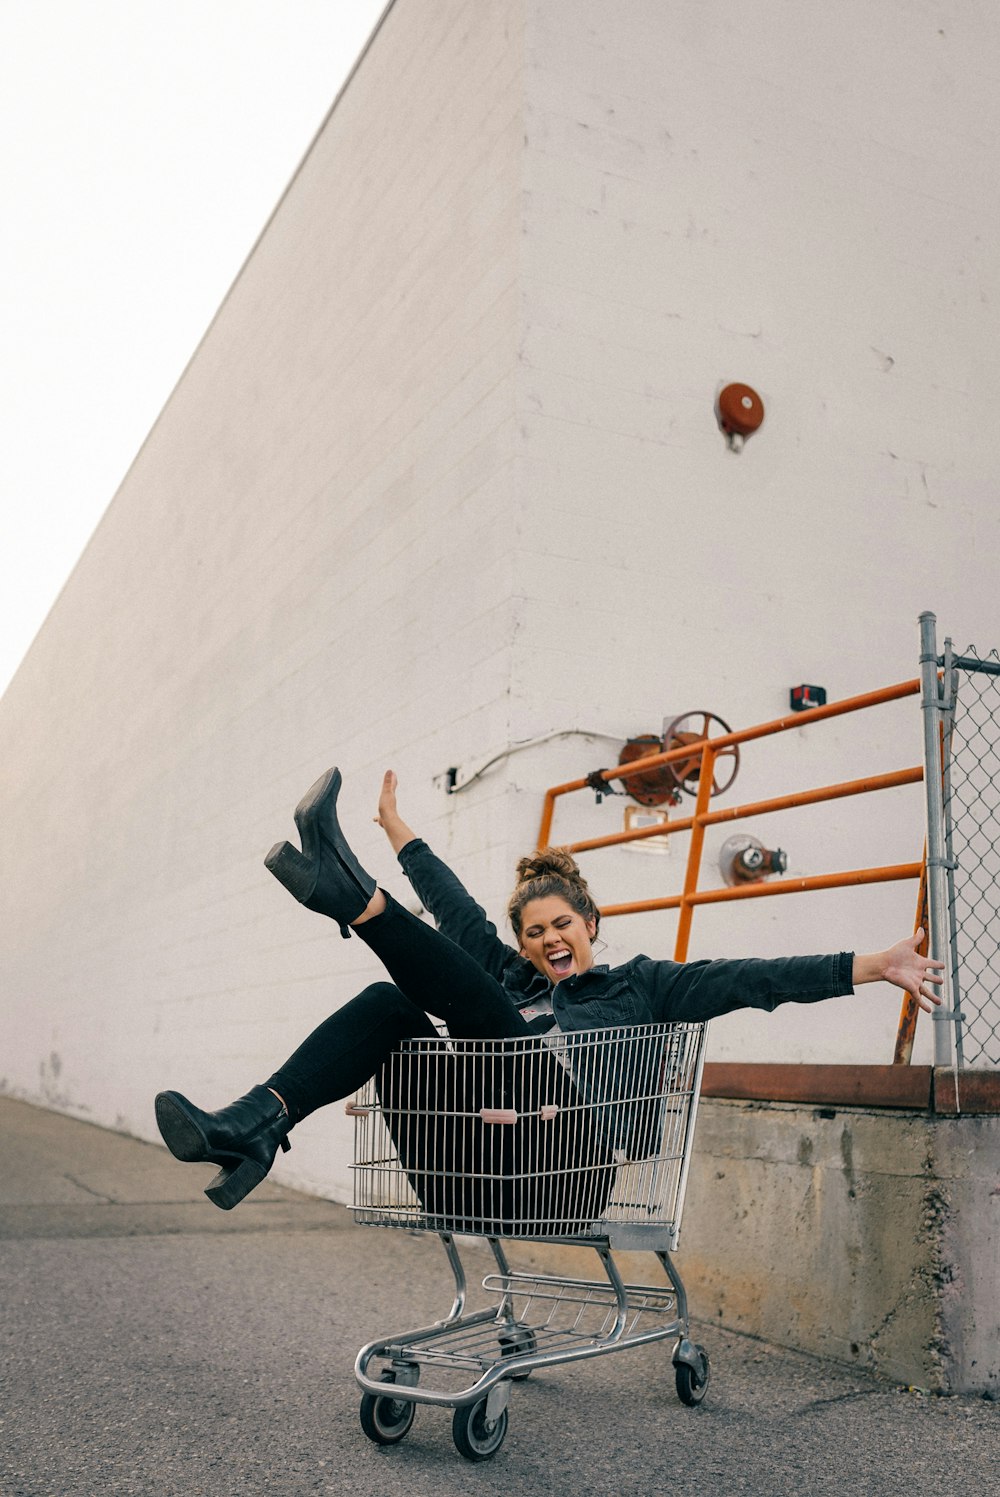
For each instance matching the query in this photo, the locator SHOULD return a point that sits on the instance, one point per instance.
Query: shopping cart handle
(510, 1115)
(357, 1109)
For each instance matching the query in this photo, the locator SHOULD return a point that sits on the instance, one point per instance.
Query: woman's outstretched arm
(707, 989)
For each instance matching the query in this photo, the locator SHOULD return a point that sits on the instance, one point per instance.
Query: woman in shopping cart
(483, 989)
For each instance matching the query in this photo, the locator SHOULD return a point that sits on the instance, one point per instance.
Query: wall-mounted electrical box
(803, 697)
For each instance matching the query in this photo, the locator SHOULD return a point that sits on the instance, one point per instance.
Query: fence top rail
(746, 735)
(973, 663)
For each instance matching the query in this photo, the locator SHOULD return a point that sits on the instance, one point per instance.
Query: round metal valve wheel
(477, 1437)
(692, 728)
(691, 1385)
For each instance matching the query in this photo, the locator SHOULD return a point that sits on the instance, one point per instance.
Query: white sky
(143, 145)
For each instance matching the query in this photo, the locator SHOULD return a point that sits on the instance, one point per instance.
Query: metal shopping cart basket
(581, 1138)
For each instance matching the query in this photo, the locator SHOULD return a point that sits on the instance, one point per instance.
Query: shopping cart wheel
(692, 1385)
(475, 1436)
(518, 1340)
(385, 1419)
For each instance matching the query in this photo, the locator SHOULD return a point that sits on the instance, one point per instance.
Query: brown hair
(552, 871)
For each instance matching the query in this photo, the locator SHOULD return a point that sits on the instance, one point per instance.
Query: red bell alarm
(740, 411)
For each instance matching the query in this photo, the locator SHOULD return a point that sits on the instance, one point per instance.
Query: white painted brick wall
(444, 474)
(715, 193)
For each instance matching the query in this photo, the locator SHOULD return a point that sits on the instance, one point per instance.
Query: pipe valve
(745, 860)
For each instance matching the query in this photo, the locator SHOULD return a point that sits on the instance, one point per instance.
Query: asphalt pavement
(150, 1343)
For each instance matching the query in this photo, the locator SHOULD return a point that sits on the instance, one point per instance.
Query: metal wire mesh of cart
(583, 1135)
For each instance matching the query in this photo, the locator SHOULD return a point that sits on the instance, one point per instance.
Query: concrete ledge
(978, 1092)
(869, 1086)
(914, 1087)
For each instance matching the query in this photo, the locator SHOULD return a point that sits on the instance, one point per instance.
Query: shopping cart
(581, 1138)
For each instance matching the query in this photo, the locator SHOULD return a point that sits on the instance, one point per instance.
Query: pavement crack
(822, 1403)
(97, 1194)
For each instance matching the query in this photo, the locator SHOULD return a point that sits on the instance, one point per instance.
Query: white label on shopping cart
(548, 1112)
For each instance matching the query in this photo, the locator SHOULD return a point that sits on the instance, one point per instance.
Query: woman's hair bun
(550, 861)
(552, 871)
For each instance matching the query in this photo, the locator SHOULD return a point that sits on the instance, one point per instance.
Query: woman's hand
(905, 968)
(387, 812)
(388, 817)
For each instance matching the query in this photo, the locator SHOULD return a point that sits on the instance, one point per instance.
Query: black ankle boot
(325, 876)
(242, 1139)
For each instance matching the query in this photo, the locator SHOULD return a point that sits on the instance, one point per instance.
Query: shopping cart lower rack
(580, 1138)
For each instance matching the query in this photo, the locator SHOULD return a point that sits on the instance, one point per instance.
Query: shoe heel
(229, 1187)
(297, 873)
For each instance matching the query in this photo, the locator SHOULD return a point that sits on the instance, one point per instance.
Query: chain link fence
(972, 847)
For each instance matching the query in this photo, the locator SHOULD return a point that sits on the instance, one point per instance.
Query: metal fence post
(949, 690)
(937, 900)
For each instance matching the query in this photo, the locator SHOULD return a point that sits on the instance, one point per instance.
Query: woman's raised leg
(243, 1138)
(433, 972)
(348, 1048)
(325, 875)
(439, 977)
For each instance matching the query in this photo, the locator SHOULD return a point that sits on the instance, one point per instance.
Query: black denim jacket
(642, 991)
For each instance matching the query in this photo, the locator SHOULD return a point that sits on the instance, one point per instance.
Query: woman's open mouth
(560, 961)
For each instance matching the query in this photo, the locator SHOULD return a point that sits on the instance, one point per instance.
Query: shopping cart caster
(518, 1340)
(385, 1419)
(691, 1374)
(478, 1435)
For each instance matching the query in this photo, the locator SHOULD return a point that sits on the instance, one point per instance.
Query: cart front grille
(581, 1136)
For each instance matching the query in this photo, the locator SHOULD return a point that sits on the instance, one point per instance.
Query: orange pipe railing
(705, 776)
(726, 740)
(691, 895)
(909, 1009)
(759, 807)
(886, 875)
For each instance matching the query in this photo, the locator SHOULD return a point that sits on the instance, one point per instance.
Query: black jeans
(432, 976)
(532, 1177)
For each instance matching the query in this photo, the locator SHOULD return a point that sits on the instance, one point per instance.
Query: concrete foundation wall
(870, 1237)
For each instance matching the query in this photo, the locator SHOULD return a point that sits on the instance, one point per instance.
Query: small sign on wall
(638, 818)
